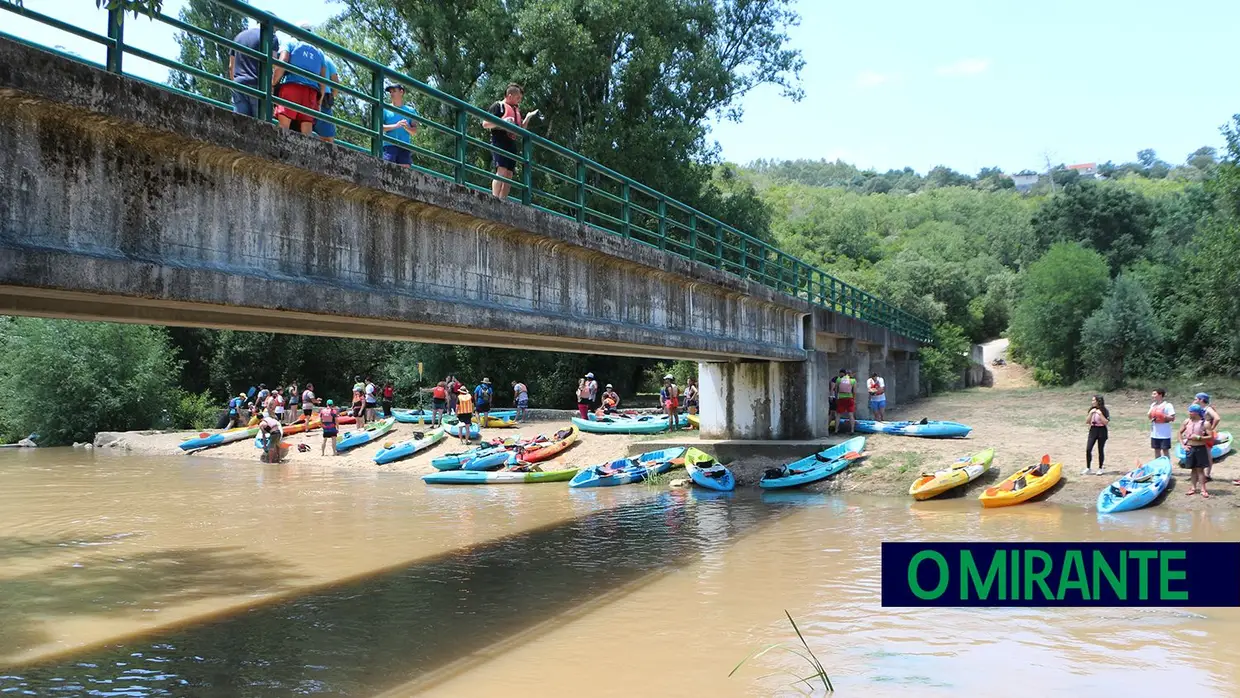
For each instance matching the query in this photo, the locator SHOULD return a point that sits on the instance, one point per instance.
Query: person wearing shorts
(328, 416)
(439, 402)
(298, 89)
(670, 395)
(1161, 415)
(507, 111)
(845, 402)
(308, 401)
(464, 412)
(323, 128)
(399, 124)
(1195, 434)
(877, 387)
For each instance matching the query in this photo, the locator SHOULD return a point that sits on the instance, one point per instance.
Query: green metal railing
(552, 178)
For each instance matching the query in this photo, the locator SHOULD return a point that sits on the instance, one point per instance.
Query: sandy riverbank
(590, 449)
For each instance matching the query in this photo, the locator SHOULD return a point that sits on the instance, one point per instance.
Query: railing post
(462, 126)
(719, 246)
(116, 39)
(582, 172)
(625, 211)
(744, 258)
(376, 113)
(527, 172)
(662, 209)
(692, 238)
(267, 40)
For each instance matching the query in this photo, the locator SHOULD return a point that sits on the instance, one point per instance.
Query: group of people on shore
(1198, 434)
(310, 87)
(842, 399)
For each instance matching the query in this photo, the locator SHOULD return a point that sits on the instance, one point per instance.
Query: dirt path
(1022, 424)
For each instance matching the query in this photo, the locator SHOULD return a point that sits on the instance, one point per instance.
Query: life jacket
(388, 392)
(464, 404)
(510, 111)
(583, 393)
(845, 387)
(439, 393)
(328, 417)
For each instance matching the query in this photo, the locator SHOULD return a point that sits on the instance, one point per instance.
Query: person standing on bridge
(324, 129)
(508, 110)
(298, 88)
(243, 69)
(399, 124)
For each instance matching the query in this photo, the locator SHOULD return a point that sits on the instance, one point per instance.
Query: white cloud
(968, 66)
(869, 78)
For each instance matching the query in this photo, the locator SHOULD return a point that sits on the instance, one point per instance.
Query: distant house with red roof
(1086, 169)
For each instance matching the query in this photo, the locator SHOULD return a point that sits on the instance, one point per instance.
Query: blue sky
(963, 83)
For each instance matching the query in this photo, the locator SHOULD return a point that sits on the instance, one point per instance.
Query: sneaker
(1085, 471)
(1099, 472)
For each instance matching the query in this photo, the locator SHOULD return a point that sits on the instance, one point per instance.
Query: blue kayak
(649, 424)
(371, 433)
(1221, 448)
(219, 438)
(455, 430)
(819, 466)
(707, 472)
(1136, 489)
(424, 416)
(627, 470)
(925, 428)
(408, 448)
(489, 460)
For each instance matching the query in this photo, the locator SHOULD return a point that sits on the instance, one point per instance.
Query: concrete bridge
(124, 202)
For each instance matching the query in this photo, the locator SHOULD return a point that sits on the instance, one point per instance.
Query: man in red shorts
(298, 88)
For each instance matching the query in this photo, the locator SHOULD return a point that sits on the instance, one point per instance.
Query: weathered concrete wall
(755, 400)
(121, 201)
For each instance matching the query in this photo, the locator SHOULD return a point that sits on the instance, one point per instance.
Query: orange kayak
(538, 452)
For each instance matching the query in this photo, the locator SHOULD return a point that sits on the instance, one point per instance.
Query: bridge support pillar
(759, 400)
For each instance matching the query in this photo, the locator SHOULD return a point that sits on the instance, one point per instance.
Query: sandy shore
(590, 449)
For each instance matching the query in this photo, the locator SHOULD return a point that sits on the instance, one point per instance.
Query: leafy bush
(67, 380)
(195, 411)
(943, 363)
(1121, 338)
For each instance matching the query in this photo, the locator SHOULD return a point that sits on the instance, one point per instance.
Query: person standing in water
(1098, 418)
(271, 432)
(1195, 434)
(1161, 415)
(328, 416)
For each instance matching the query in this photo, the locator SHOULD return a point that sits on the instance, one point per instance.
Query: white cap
(669, 377)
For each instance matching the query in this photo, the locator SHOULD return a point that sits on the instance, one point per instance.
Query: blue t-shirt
(234, 405)
(307, 57)
(482, 394)
(245, 67)
(331, 75)
(405, 112)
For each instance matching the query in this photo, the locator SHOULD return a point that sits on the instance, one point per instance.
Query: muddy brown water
(172, 576)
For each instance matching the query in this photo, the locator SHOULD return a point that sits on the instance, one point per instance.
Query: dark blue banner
(1061, 574)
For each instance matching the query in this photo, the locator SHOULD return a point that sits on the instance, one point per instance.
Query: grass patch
(804, 652)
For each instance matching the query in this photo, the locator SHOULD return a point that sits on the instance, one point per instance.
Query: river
(144, 576)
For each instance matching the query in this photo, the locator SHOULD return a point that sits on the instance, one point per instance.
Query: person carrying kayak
(845, 401)
(483, 396)
(464, 412)
(521, 396)
(271, 431)
(328, 416)
(1195, 434)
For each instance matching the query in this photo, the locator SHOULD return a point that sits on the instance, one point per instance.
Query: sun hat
(462, 390)
(486, 380)
(589, 375)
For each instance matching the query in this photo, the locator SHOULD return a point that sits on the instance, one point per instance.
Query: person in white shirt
(878, 396)
(1162, 415)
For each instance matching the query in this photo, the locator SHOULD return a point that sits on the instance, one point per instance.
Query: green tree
(1060, 291)
(67, 380)
(1121, 338)
(944, 362)
(1111, 220)
(204, 54)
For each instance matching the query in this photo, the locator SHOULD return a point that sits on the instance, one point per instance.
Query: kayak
(495, 420)
(539, 451)
(409, 447)
(490, 460)
(818, 466)
(499, 477)
(694, 421)
(219, 438)
(412, 416)
(626, 470)
(1222, 447)
(453, 461)
(1024, 484)
(650, 424)
(964, 470)
(289, 430)
(1136, 489)
(455, 430)
(924, 428)
(707, 472)
(368, 435)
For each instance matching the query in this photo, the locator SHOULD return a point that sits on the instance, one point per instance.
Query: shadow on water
(399, 626)
(115, 587)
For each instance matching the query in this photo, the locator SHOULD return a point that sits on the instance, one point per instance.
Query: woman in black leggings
(1097, 420)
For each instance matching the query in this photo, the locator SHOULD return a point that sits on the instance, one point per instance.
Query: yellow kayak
(964, 470)
(694, 422)
(497, 422)
(1024, 484)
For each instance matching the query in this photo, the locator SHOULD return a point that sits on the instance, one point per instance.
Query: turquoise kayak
(499, 477)
(455, 430)
(707, 472)
(410, 447)
(219, 438)
(1221, 448)
(1136, 489)
(412, 416)
(819, 466)
(490, 460)
(627, 470)
(371, 433)
(925, 428)
(651, 424)
(454, 460)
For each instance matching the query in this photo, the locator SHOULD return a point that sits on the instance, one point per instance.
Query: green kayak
(498, 477)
